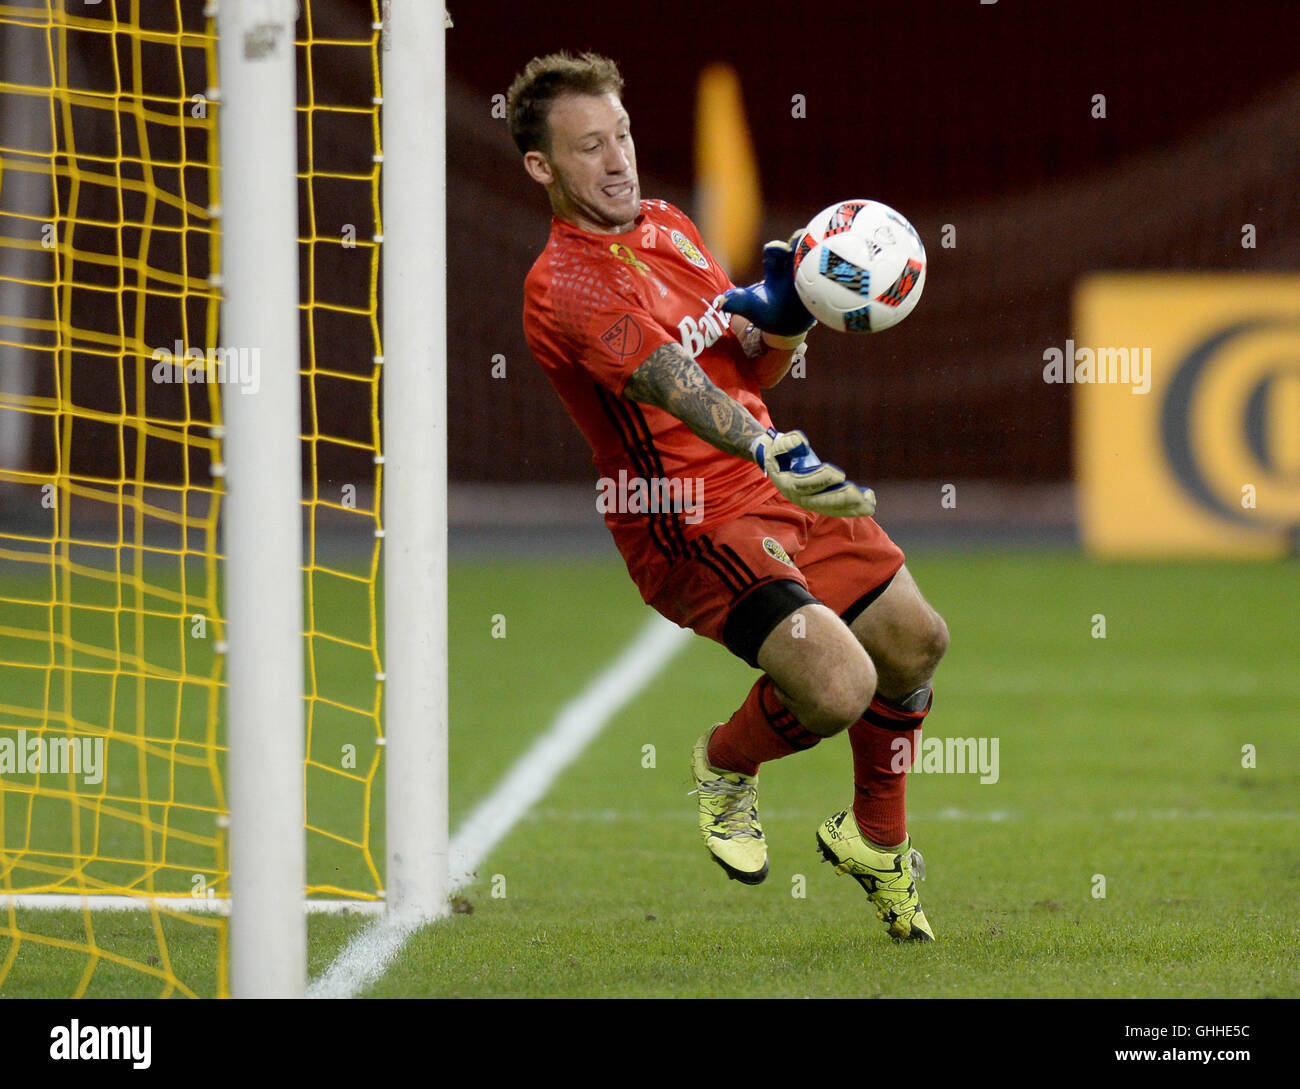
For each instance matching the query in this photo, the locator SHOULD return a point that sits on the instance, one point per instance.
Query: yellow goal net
(113, 809)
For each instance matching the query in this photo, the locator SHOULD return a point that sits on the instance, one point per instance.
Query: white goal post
(414, 254)
(263, 538)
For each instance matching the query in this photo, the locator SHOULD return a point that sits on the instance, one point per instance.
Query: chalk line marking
(365, 959)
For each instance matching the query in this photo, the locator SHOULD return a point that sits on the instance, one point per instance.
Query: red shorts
(839, 561)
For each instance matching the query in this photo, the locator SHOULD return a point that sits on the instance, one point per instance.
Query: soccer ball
(859, 266)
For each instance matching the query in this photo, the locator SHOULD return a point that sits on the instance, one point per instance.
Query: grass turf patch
(1124, 758)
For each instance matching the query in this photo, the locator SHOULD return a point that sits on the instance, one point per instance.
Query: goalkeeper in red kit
(729, 525)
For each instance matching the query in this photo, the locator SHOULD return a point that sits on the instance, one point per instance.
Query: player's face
(593, 163)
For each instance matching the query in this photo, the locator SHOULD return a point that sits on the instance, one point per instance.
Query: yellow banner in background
(1206, 460)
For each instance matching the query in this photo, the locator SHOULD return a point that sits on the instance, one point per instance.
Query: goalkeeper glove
(804, 479)
(773, 305)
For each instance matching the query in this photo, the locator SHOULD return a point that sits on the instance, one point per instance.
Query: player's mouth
(617, 192)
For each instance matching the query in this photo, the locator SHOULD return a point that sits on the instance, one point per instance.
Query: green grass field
(1120, 760)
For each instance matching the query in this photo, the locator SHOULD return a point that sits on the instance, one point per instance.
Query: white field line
(365, 959)
(771, 814)
(192, 905)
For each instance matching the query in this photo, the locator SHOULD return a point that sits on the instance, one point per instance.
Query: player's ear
(538, 167)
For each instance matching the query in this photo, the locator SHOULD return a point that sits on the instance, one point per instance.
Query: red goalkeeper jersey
(596, 306)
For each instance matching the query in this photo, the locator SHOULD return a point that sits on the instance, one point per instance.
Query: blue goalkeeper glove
(807, 481)
(773, 305)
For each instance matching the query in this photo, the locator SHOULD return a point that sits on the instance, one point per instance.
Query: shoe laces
(917, 863)
(739, 812)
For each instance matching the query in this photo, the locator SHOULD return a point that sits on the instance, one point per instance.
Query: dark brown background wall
(977, 116)
(956, 113)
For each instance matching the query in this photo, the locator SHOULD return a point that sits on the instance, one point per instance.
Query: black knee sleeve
(753, 618)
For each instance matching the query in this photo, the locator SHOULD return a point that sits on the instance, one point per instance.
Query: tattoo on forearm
(670, 379)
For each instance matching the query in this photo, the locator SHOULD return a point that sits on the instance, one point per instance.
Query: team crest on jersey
(773, 548)
(689, 250)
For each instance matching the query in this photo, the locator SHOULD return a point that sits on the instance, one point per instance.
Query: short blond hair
(543, 80)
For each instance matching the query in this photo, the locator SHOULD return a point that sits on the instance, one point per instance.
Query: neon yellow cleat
(886, 877)
(729, 818)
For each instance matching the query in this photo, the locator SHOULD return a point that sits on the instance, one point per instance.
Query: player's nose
(617, 161)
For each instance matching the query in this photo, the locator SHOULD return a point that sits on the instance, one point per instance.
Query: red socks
(761, 730)
(885, 741)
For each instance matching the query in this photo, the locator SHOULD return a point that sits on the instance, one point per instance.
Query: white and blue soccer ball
(859, 266)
